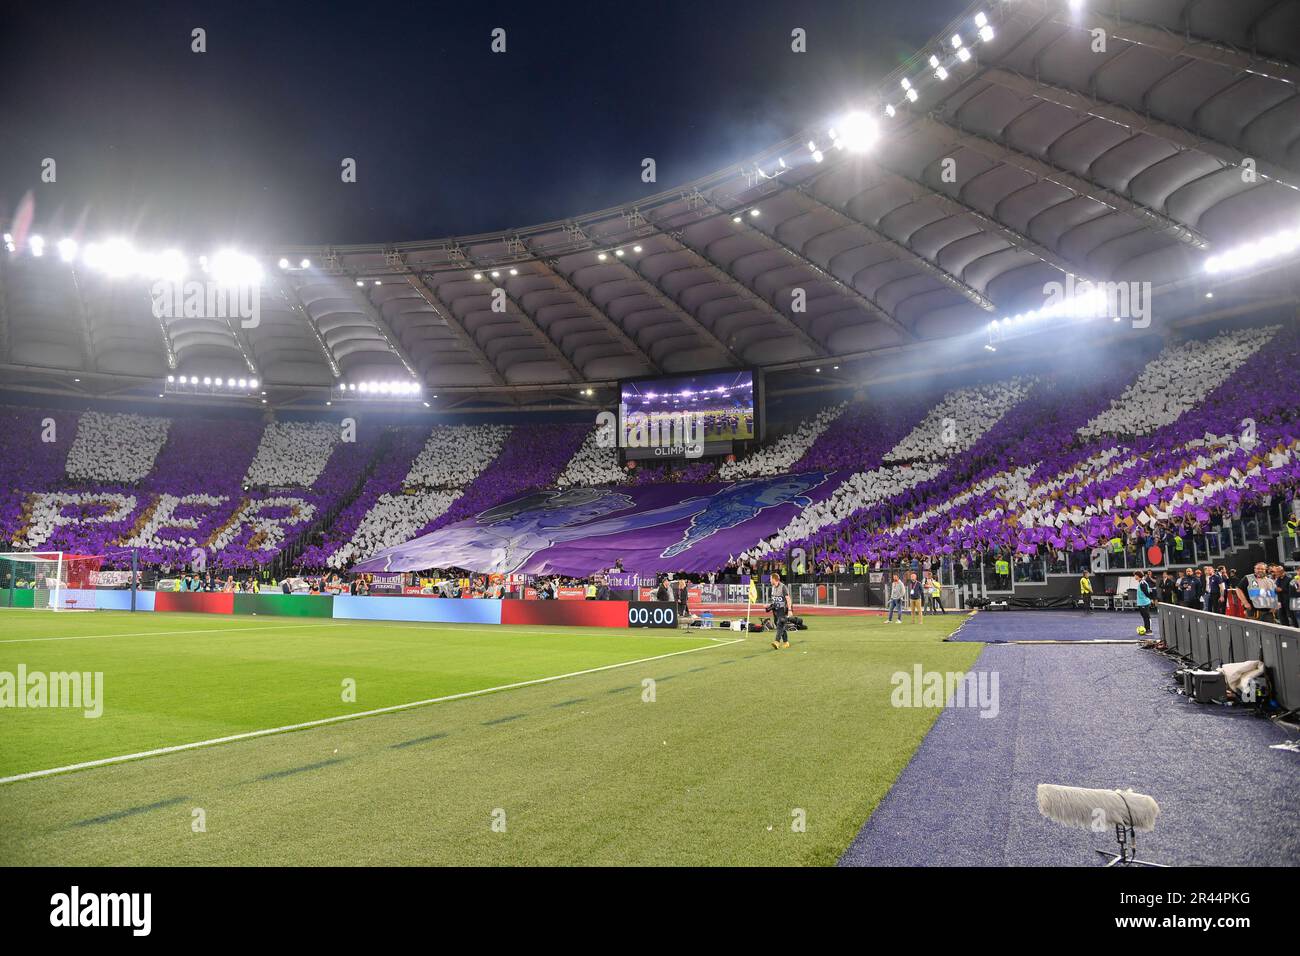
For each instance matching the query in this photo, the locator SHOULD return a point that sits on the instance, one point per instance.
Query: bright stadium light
(207, 380)
(601, 256)
(169, 266)
(37, 245)
(232, 268)
(956, 41)
(477, 276)
(495, 274)
(515, 272)
(115, 258)
(243, 383)
(889, 109)
(859, 132)
(305, 264)
(67, 249)
(963, 54)
(941, 73)
(252, 383)
(284, 263)
(1249, 254)
(986, 34)
(911, 96)
(360, 283)
(636, 248)
(818, 156)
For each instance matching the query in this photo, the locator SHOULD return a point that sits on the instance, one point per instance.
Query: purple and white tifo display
(584, 530)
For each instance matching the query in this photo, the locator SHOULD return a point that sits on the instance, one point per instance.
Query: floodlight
(113, 258)
(860, 132)
(305, 264)
(168, 266)
(37, 245)
(284, 263)
(67, 249)
(232, 268)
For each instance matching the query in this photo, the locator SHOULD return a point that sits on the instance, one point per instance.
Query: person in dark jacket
(779, 605)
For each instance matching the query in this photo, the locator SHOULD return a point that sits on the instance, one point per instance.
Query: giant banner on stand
(579, 531)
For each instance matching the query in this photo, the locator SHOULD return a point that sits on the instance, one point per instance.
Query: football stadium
(588, 542)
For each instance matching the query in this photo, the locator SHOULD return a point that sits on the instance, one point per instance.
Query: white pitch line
(207, 630)
(454, 627)
(160, 751)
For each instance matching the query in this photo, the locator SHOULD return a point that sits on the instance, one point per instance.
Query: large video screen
(690, 416)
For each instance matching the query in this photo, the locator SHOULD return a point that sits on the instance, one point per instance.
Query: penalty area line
(323, 721)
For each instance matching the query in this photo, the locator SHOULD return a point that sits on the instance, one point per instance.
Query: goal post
(56, 580)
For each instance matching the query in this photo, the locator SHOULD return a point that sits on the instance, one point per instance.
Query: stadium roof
(1032, 148)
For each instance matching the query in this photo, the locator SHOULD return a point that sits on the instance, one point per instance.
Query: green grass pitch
(573, 764)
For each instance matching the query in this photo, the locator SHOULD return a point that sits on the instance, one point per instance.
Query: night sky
(243, 143)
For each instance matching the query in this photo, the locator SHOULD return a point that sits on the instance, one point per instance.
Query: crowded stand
(1136, 451)
(778, 456)
(596, 463)
(292, 453)
(115, 448)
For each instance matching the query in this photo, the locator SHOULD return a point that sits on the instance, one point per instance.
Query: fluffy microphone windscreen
(1087, 809)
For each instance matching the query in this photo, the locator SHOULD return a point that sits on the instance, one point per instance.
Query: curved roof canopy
(1030, 142)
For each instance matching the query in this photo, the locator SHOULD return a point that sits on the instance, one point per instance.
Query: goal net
(52, 580)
